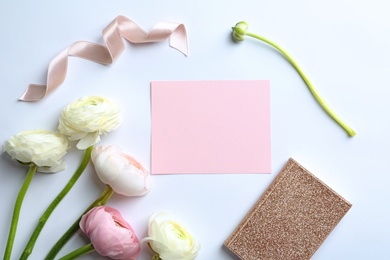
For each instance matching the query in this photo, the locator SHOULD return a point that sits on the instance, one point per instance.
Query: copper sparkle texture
(290, 220)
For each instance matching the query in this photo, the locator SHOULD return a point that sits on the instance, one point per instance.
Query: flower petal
(88, 140)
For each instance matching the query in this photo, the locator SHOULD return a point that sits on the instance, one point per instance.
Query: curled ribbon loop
(120, 27)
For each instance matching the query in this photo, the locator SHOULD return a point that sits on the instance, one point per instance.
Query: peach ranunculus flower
(110, 234)
(87, 118)
(169, 239)
(120, 171)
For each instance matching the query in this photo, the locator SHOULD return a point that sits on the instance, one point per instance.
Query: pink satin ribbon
(120, 27)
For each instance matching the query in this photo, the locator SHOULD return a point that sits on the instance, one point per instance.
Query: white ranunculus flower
(120, 171)
(170, 240)
(44, 148)
(87, 118)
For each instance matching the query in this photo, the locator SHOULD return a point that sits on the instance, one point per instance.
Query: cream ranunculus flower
(44, 148)
(170, 240)
(42, 151)
(87, 118)
(120, 171)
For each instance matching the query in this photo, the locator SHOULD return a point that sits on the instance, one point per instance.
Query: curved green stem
(104, 197)
(79, 252)
(42, 221)
(240, 30)
(16, 212)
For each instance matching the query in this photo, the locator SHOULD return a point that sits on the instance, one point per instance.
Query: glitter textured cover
(290, 220)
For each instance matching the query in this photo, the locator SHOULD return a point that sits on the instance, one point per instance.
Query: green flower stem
(240, 30)
(156, 257)
(104, 197)
(16, 212)
(79, 252)
(42, 221)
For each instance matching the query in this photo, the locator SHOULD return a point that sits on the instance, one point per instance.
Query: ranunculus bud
(44, 148)
(120, 171)
(87, 118)
(110, 234)
(239, 31)
(170, 240)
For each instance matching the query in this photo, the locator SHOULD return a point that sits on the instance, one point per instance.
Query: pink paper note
(210, 127)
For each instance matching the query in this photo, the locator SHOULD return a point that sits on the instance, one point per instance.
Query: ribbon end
(33, 93)
(178, 39)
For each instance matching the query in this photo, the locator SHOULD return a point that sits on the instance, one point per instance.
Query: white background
(343, 46)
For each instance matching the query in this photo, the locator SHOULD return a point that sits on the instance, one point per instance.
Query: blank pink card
(210, 127)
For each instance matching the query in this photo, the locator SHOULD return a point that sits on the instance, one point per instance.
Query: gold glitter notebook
(290, 220)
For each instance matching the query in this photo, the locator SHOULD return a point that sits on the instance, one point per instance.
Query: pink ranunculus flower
(120, 171)
(110, 234)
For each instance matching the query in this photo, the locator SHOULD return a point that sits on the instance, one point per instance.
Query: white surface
(343, 46)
